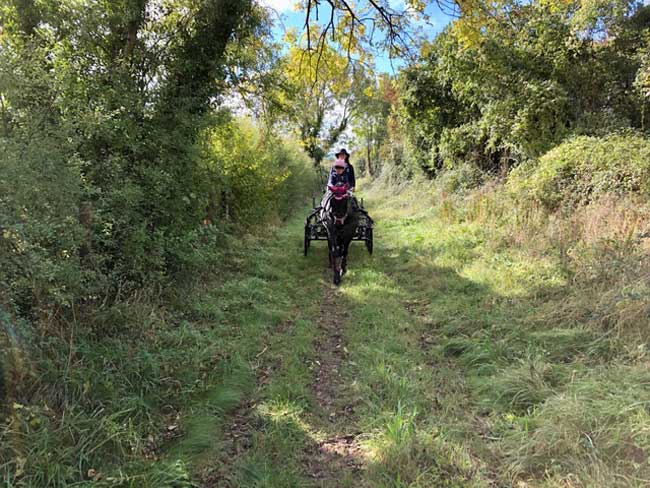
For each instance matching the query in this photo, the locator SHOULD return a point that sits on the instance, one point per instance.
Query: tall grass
(105, 398)
(538, 314)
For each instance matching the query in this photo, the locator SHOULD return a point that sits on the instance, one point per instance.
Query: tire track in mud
(339, 456)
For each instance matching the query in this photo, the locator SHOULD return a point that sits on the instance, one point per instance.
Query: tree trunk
(5, 116)
(199, 61)
(368, 156)
(29, 15)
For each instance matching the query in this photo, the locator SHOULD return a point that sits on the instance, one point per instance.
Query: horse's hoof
(337, 277)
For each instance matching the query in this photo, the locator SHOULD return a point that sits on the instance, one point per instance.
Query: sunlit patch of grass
(399, 427)
(570, 345)
(388, 385)
(405, 455)
(367, 283)
(283, 429)
(524, 385)
(509, 275)
(479, 357)
(274, 458)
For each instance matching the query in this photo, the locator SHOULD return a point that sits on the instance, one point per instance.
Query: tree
(523, 85)
(376, 99)
(374, 24)
(117, 94)
(320, 95)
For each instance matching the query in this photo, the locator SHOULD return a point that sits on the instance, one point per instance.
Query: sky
(287, 17)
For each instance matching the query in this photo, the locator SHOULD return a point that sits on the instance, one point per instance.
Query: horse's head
(339, 202)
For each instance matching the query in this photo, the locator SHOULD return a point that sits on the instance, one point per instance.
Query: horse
(340, 218)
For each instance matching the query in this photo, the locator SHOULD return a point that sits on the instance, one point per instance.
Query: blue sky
(287, 17)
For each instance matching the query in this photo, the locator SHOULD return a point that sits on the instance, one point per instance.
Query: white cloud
(279, 5)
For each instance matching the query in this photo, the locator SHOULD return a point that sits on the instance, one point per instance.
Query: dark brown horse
(340, 218)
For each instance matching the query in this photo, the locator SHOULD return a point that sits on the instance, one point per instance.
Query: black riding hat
(342, 151)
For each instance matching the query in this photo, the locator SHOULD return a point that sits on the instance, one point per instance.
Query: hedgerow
(585, 169)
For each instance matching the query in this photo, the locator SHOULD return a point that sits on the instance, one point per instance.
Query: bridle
(339, 193)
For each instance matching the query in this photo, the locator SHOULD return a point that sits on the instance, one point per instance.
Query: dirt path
(297, 422)
(339, 457)
(335, 458)
(236, 441)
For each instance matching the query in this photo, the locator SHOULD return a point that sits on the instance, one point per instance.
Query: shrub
(259, 176)
(584, 169)
(460, 178)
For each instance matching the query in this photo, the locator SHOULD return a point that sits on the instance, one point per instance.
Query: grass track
(428, 367)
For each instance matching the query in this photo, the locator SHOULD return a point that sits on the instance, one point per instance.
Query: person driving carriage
(341, 175)
(342, 171)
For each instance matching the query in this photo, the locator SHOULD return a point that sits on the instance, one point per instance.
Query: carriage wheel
(369, 240)
(307, 240)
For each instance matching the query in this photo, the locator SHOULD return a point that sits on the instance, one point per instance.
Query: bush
(461, 144)
(584, 169)
(259, 176)
(40, 234)
(460, 178)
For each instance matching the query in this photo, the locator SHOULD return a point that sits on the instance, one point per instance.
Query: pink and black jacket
(347, 177)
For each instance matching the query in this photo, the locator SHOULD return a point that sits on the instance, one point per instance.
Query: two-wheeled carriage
(315, 229)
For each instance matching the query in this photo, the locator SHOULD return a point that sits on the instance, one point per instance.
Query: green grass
(469, 380)
(142, 373)
(269, 305)
(471, 362)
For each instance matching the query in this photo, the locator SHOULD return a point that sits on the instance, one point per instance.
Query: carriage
(315, 230)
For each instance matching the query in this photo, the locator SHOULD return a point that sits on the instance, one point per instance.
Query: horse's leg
(337, 261)
(346, 247)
